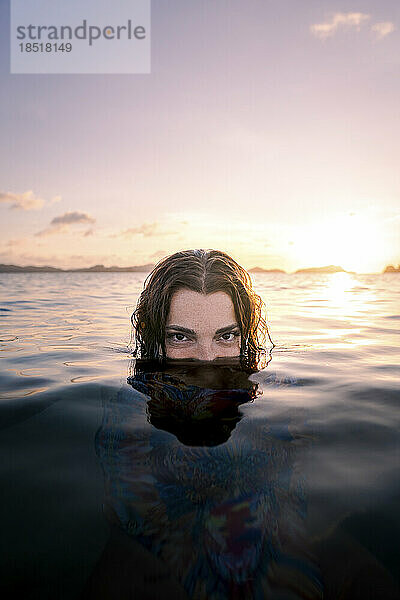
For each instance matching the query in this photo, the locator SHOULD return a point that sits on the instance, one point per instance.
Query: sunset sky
(270, 130)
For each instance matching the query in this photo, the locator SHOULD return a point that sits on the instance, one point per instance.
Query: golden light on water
(339, 289)
(326, 311)
(348, 302)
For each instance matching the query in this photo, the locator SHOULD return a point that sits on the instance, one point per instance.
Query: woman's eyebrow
(185, 330)
(181, 329)
(226, 329)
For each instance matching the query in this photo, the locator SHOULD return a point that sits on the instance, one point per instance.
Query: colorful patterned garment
(227, 517)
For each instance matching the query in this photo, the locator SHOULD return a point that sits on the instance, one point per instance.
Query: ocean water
(105, 494)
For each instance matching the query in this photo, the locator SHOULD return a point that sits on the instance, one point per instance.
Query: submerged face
(202, 326)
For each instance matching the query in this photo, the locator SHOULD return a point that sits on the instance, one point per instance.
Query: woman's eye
(229, 337)
(177, 337)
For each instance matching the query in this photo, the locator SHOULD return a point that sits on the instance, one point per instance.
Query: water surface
(332, 385)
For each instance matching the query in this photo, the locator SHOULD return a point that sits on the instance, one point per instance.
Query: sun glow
(354, 243)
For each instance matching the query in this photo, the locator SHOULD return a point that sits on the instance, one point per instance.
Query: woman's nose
(206, 352)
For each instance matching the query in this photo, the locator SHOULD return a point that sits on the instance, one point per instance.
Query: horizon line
(100, 268)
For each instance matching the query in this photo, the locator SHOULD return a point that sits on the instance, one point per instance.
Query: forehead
(201, 311)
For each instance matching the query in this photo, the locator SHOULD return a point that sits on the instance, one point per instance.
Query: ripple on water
(86, 378)
(11, 349)
(21, 393)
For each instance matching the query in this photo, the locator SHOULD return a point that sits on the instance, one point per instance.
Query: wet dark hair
(203, 271)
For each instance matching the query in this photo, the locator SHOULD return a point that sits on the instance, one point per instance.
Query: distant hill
(148, 267)
(261, 270)
(392, 269)
(94, 269)
(328, 269)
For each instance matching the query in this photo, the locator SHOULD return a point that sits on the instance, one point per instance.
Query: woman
(199, 304)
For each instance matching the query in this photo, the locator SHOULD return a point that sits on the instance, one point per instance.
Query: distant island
(261, 270)
(94, 269)
(328, 269)
(148, 267)
(392, 269)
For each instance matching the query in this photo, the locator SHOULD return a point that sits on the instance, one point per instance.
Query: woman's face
(202, 326)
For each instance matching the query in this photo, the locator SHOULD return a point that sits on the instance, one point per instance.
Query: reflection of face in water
(202, 326)
(203, 488)
(198, 416)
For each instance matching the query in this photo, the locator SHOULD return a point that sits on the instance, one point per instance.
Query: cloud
(352, 20)
(159, 254)
(72, 218)
(88, 232)
(14, 242)
(145, 229)
(383, 29)
(62, 223)
(24, 258)
(24, 201)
